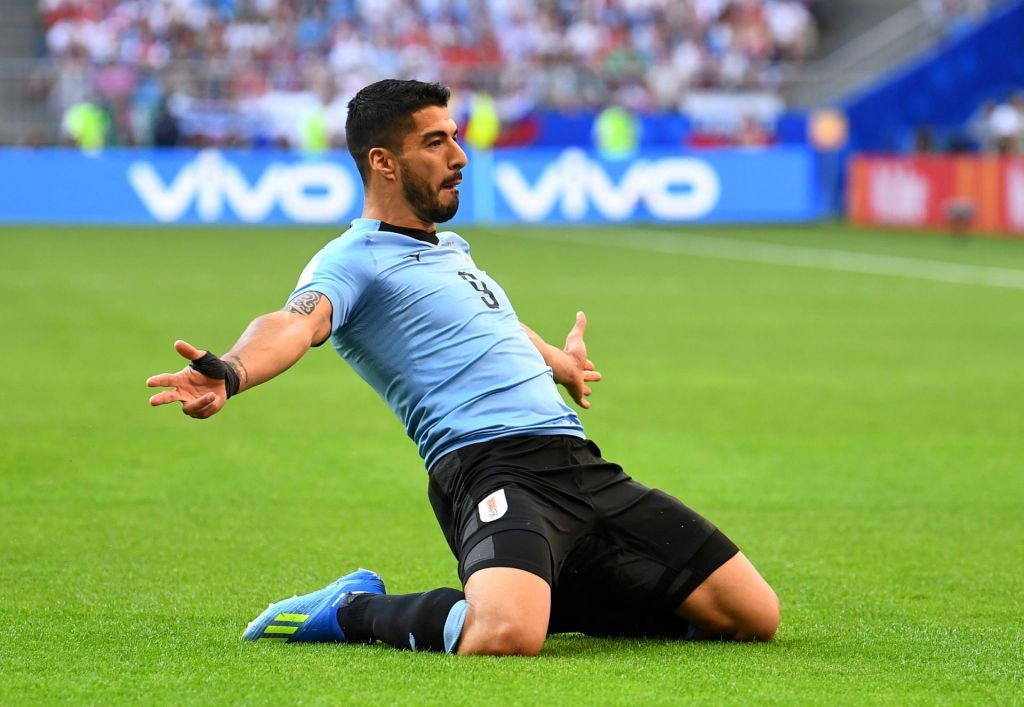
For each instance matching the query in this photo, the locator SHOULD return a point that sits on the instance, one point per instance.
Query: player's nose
(458, 158)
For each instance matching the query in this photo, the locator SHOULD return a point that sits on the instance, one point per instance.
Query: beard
(425, 199)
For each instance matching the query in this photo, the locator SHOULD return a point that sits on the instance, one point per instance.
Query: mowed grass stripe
(724, 248)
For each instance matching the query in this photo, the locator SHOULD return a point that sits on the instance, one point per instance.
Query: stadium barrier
(505, 186)
(970, 193)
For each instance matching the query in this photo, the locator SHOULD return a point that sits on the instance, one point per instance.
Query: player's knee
(761, 622)
(506, 638)
(756, 619)
(510, 638)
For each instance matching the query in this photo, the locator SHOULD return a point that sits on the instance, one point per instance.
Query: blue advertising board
(506, 186)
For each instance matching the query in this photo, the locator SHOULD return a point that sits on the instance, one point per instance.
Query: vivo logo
(306, 192)
(675, 188)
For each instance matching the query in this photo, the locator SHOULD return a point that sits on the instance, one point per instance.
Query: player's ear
(383, 162)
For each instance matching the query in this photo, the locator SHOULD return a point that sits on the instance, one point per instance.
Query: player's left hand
(578, 371)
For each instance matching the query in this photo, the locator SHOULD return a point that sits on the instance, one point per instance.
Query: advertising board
(970, 192)
(506, 186)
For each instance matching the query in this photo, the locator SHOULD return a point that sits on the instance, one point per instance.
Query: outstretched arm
(270, 345)
(570, 365)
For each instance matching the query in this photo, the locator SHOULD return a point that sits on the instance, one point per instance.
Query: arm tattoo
(237, 365)
(305, 303)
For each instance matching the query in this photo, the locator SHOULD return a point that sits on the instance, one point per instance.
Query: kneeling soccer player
(549, 536)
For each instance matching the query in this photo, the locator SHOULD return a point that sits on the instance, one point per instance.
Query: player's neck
(396, 212)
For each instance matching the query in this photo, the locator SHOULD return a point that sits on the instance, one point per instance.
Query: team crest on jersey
(493, 507)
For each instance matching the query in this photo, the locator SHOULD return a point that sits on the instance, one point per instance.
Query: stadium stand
(261, 72)
(244, 71)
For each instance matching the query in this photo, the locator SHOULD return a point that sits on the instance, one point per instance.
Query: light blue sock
(453, 626)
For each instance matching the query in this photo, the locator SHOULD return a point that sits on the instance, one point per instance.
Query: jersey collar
(417, 233)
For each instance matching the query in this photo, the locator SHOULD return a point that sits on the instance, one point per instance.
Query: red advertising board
(982, 194)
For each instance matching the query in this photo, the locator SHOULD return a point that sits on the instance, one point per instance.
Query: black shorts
(619, 556)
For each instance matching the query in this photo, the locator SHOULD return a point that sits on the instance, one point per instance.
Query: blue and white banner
(506, 186)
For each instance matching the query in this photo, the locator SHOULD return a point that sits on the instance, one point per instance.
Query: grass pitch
(853, 422)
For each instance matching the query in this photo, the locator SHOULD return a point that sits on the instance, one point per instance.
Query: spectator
(85, 126)
(484, 124)
(616, 132)
(166, 132)
(924, 140)
(752, 133)
(1006, 125)
(979, 127)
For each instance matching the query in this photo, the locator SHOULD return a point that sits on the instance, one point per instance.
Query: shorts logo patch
(493, 507)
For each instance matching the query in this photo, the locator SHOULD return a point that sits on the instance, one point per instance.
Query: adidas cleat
(312, 617)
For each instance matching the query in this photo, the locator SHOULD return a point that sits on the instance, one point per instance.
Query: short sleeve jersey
(437, 338)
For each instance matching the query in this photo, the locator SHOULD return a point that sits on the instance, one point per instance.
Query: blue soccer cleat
(312, 617)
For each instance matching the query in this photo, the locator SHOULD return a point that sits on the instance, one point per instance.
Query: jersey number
(480, 286)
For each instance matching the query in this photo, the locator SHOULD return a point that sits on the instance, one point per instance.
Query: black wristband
(212, 366)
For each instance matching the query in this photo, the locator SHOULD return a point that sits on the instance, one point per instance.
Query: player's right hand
(200, 396)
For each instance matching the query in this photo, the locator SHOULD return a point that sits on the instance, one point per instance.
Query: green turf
(859, 435)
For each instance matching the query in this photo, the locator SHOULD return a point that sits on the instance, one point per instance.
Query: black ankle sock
(410, 621)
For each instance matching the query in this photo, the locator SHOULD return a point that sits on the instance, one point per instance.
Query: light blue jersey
(436, 338)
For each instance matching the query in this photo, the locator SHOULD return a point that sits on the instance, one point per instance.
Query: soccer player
(549, 536)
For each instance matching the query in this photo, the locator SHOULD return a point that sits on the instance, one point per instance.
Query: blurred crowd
(257, 72)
